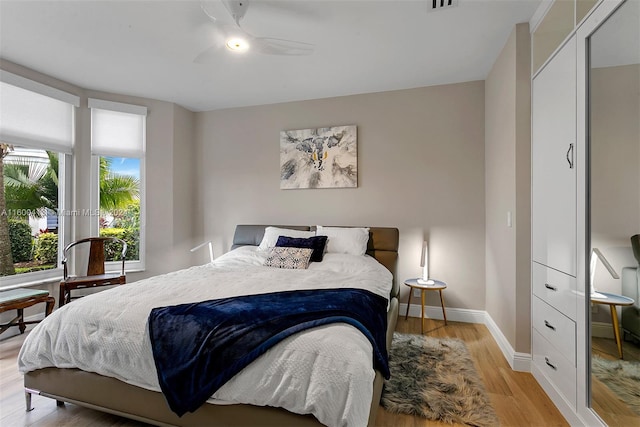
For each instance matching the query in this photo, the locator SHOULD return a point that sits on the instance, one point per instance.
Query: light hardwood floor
(516, 397)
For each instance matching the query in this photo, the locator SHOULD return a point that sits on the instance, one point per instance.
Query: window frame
(65, 174)
(65, 191)
(129, 266)
(139, 153)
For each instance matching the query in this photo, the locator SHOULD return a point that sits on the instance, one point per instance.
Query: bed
(131, 394)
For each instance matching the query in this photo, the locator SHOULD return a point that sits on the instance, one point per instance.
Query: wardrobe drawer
(556, 328)
(558, 370)
(555, 288)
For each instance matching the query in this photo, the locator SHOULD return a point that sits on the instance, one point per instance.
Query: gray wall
(507, 189)
(185, 235)
(420, 168)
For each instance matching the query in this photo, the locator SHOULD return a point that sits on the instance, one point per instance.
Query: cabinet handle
(546, 360)
(570, 159)
(548, 286)
(549, 325)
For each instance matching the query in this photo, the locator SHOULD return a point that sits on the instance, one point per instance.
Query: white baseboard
(602, 330)
(566, 408)
(518, 361)
(453, 314)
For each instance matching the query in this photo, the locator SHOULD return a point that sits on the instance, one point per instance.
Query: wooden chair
(95, 275)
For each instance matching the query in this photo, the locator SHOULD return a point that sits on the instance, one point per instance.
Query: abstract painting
(319, 158)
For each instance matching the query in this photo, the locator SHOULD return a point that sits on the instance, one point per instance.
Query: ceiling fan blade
(216, 11)
(237, 9)
(207, 56)
(216, 36)
(228, 26)
(274, 46)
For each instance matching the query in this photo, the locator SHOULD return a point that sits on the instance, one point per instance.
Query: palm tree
(31, 185)
(6, 260)
(116, 191)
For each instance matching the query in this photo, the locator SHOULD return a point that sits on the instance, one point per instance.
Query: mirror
(614, 209)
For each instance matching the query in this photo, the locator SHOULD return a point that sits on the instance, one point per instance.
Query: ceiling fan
(227, 16)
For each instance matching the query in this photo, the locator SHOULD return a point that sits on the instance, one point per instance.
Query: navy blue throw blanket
(198, 347)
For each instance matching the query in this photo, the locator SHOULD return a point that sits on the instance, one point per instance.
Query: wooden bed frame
(113, 396)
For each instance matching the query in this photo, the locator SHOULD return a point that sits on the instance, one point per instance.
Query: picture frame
(324, 157)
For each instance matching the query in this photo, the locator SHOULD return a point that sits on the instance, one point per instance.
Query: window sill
(53, 280)
(32, 283)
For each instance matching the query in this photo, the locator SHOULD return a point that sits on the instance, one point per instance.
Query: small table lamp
(595, 256)
(424, 263)
(202, 245)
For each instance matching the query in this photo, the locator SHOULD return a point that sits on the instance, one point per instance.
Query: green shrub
(21, 270)
(113, 249)
(130, 218)
(47, 248)
(21, 241)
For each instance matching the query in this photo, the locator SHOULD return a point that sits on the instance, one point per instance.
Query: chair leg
(21, 324)
(61, 297)
(50, 304)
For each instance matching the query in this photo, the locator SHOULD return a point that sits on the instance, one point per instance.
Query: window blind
(117, 129)
(35, 115)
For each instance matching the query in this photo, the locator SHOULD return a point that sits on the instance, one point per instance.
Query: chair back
(96, 261)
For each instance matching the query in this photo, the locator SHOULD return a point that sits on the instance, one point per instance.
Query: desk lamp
(202, 245)
(424, 263)
(593, 261)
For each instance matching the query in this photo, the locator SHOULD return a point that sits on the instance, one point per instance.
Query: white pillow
(345, 240)
(271, 235)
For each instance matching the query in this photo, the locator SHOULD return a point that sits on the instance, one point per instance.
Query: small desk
(436, 286)
(19, 299)
(612, 300)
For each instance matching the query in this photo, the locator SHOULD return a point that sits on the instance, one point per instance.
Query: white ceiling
(147, 48)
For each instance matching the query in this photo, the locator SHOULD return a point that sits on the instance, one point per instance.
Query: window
(36, 141)
(32, 203)
(119, 201)
(118, 147)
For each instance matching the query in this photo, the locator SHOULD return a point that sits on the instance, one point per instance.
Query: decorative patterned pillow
(297, 258)
(316, 243)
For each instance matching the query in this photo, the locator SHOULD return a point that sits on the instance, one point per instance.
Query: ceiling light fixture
(237, 45)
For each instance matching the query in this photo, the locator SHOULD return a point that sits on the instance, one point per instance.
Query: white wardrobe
(560, 309)
(553, 223)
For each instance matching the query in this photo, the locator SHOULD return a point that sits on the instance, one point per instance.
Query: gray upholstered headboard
(383, 243)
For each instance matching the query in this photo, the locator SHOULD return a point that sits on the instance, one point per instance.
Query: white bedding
(326, 371)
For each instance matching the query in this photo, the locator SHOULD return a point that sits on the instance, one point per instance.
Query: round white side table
(437, 285)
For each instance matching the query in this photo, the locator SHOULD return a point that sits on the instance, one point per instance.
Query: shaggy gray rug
(622, 377)
(435, 378)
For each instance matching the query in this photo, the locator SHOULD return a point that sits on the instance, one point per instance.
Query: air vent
(435, 5)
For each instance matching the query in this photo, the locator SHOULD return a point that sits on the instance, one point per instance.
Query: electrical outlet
(416, 292)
